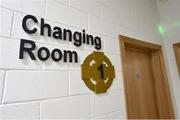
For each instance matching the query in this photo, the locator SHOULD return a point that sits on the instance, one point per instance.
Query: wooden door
(146, 85)
(141, 96)
(177, 55)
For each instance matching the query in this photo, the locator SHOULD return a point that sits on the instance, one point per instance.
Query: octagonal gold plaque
(97, 72)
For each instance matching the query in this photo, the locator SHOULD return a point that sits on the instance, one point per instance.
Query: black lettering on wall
(89, 40)
(41, 55)
(97, 41)
(70, 55)
(67, 34)
(77, 39)
(24, 24)
(84, 36)
(53, 55)
(45, 26)
(24, 49)
(57, 33)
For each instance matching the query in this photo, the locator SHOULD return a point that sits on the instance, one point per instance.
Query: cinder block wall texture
(48, 90)
(170, 21)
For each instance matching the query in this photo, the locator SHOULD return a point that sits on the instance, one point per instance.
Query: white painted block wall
(170, 20)
(42, 90)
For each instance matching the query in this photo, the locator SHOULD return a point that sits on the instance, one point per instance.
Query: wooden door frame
(176, 46)
(163, 96)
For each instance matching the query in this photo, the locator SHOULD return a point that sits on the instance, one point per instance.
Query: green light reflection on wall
(170, 27)
(161, 29)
